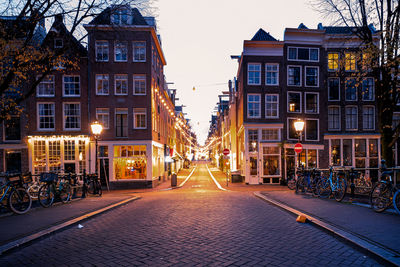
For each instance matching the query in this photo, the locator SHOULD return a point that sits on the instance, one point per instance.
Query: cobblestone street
(195, 225)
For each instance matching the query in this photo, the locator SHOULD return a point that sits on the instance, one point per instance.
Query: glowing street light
(96, 128)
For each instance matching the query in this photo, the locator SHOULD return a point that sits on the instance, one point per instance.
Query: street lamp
(299, 126)
(96, 128)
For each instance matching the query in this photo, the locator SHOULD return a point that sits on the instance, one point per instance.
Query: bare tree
(22, 27)
(384, 15)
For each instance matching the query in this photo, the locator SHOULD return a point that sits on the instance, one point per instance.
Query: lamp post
(299, 126)
(96, 128)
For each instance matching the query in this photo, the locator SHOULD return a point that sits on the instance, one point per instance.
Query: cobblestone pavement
(197, 225)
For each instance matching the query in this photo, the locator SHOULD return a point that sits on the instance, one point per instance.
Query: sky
(198, 38)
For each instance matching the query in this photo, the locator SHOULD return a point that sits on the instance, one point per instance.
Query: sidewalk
(380, 228)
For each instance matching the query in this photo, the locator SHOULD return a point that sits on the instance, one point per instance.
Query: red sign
(226, 152)
(298, 148)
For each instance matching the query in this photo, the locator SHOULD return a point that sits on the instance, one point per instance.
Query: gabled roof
(262, 35)
(14, 27)
(104, 18)
(302, 26)
(343, 29)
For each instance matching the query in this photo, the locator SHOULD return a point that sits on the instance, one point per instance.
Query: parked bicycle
(14, 195)
(383, 192)
(396, 201)
(335, 184)
(291, 180)
(54, 186)
(91, 185)
(307, 181)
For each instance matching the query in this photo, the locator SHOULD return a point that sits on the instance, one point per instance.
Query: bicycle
(91, 185)
(291, 180)
(307, 181)
(53, 186)
(18, 199)
(336, 185)
(382, 193)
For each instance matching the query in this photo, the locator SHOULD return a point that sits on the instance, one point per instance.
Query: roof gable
(262, 35)
(104, 18)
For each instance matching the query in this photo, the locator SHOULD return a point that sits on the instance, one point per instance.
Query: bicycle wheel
(300, 185)
(291, 184)
(65, 193)
(91, 187)
(314, 184)
(380, 197)
(99, 189)
(19, 201)
(33, 191)
(324, 188)
(341, 187)
(396, 201)
(46, 195)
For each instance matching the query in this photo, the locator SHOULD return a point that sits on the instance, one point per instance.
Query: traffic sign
(226, 152)
(298, 148)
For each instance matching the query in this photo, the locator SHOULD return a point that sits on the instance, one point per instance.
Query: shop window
(39, 156)
(373, 157)
(12, 129)
(271, 161)
(253, 140)
(54, 156)
(347, 152)
(360, 152)
(311, 158)
(69, 155)
(130, 162)
(82, 155)
(270, 135)
(335, 152)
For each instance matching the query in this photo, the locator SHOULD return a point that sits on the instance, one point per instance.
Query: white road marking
(187, 178)
(215, 180)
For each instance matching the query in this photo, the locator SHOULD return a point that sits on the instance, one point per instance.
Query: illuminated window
(333, 61)
(294, 102)
(350, 62)
(130, 162)
(39, 156)
(102, 84)
(54, 155)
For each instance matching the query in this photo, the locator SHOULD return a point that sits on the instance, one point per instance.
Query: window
(254, 74)
(12, 129)
(333, 89)
(139, 84)
(333, 118)
(350, 62)
(58, 43)
(312, 76)
(72, 86)
(294, 102)
(55, 155)
(120, 16)
(46, 116)
(103, 116)
(303, 54)
(130, 162)
(271, 74)
(369, 118)
(139, 115)
(351, 89)
(292, 134)
(294, 75)
(39, 156)
(121, 51)
(368, 89)
(360, 152)
(121, 125)
(335, 152)
(351, 118)
(253, 106)
(101, 51)
(102, 84)
(46, 87)
(139, 51)
(333, 61)
(270, 135)
(347, 152)
(72, 116)
(312, 130)
(311, 105)
(121, 84)
(271, 106)
(253, 140)
(271, 161)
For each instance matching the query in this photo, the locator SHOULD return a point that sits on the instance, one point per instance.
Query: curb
(373, 248)
(30, 238)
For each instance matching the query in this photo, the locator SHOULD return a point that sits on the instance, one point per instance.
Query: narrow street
(196, 225)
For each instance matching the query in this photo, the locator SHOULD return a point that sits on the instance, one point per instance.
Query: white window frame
(248, 72)
(270, 140)
(277, 106)
(103, 111)
(38, 116)
(345, 61)
(97, 80)
(340, 118)
(133, 51)
(345, 88)
(373, 89)
(297, 54)
(300, 102)
(327, 60)
(288, 129)
(277, 73)
(44, 81)
(63, 87)
(118, 12)
(301, 75)
(331, 78)
(259, 109)
(373, 118)
(305, 130)
(305, 76)
(116, 43)
(139, 77)
(279, 155)
(345, 117)
(139, 111)
(305, 102)
(116, 78)
(97, 46)
(64, 116)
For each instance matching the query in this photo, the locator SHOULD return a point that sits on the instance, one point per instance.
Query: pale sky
(199, 36)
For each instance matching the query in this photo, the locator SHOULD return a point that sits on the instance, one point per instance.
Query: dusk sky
(198, 38)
